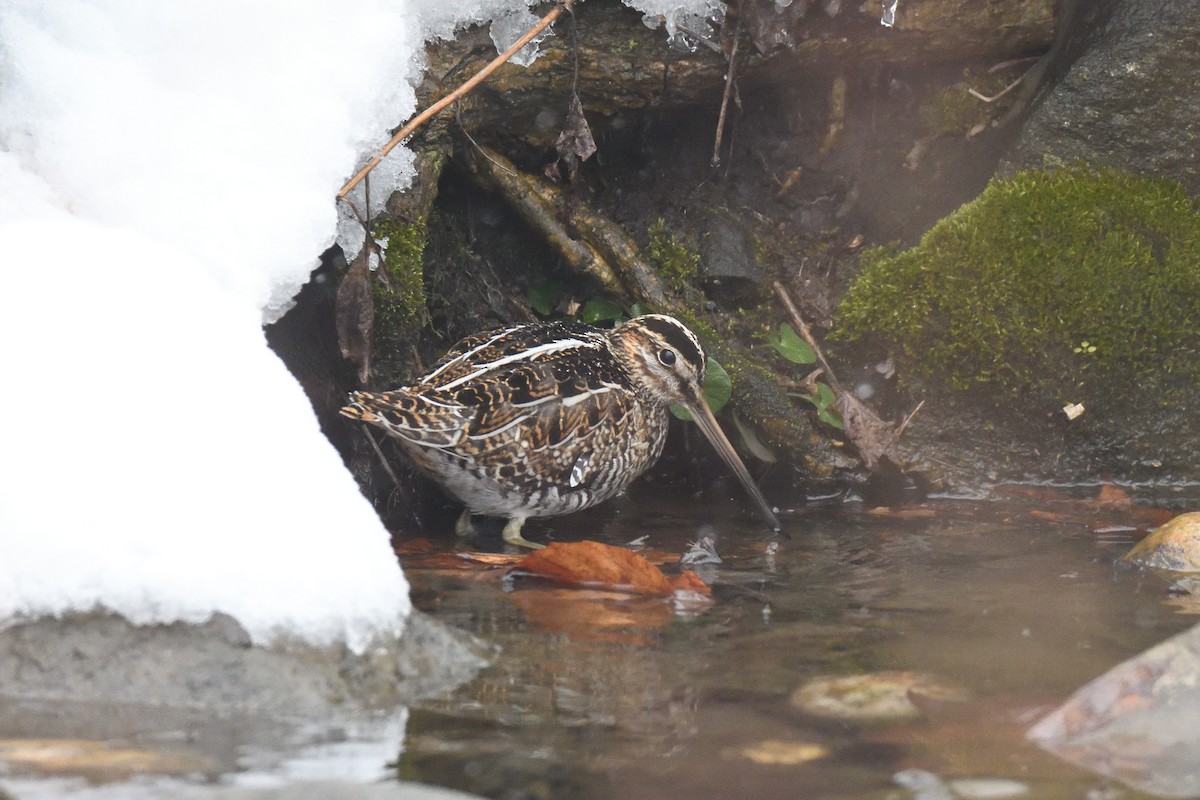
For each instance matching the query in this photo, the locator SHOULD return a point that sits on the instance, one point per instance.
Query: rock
(877, 697)
(1137, 723)
(69, 687)
(727, 256)
(1174, 546)
(1130, 101)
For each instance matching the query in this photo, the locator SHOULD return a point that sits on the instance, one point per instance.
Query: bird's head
(667, 363)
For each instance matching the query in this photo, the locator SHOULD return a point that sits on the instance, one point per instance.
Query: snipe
(549, 418)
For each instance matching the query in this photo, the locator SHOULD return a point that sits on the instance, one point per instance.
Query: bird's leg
(512, 534)
(463, 526)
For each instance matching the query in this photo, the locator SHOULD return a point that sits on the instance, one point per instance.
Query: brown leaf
(872, 437)
(575, 143)
(1112, 496)
(690, 582)
(598, 565)
(905, 512)
(354, 315)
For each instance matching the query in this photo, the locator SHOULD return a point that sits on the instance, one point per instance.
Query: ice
(510, 27)
(671, 14)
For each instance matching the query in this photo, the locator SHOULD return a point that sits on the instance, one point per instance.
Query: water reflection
(599, 695)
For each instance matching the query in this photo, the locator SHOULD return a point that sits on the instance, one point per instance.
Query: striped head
(667, 364)
(662, 357)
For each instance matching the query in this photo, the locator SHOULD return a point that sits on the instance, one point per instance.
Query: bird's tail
(409, 416)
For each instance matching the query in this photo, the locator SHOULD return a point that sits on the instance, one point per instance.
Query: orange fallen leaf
(1112, 496)
(598, 565)
(905, 512)
(690, 582)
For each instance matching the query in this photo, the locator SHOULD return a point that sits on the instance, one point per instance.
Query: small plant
(791, 346)
(823, 399)
(545, 296)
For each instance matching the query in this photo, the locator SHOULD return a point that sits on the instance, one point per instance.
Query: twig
(908, 419)
(386, 466)
(995, 97)
(737, 36)
(709, 43)
(470, 84)
(806, 333)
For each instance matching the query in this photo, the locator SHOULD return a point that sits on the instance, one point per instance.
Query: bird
(547, 418)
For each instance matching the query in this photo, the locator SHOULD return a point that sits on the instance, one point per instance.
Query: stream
(1004, 607)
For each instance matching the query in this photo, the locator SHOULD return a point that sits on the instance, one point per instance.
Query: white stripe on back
(468, 354)
(524, 355)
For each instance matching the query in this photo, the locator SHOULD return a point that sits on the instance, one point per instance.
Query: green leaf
(638, 309)
(544, 297)
(599, 310)
(789, 345)
(825, 396)
(679, 412)
(830, 417)
(717, 386)
(717, 389)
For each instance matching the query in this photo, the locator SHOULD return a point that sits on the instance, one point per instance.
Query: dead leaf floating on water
(597, 565)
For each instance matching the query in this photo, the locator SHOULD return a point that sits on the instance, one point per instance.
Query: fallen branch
(806, 334)
(470, 84)
(874, 439)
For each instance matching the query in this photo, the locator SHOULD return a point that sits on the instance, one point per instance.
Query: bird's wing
(497, 350)
(415, 418)
(554, 415)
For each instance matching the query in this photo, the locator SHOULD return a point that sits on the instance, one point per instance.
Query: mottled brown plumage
(545, 419)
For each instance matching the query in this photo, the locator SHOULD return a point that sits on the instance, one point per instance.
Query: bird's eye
(667, 357)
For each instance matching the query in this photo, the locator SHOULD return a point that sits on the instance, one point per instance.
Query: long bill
(712, 431)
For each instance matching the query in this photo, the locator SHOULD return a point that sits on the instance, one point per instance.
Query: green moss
(400, 304)
(1006, 290)
(675, 262)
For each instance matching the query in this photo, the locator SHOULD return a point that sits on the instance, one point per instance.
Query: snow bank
(167, 175)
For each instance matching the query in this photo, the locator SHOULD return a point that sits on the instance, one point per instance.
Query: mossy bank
(1067, 286)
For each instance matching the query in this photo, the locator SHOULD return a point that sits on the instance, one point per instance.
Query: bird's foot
(463, 526)
(512, 534)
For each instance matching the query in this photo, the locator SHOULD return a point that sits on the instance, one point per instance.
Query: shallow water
(1012, 604)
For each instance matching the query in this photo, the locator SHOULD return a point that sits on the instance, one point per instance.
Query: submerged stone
(877, 697)
(1137, 723)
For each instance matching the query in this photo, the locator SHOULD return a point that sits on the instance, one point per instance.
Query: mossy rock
(1053, 283)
